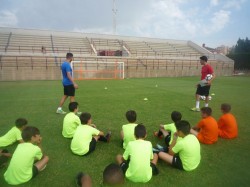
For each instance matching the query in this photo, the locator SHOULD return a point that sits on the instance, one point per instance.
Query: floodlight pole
(114, 17)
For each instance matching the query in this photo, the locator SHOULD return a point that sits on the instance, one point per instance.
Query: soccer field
(225, 163)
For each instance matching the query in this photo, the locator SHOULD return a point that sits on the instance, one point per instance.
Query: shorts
(34, 171)
(203, 90)
(69, 90)
(124, 165)
(177, 163)
(167, 139)
(92, 145)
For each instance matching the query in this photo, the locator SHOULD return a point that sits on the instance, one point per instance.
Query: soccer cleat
(159, 147)
(195, 109)
(108, 136)
(60, 111)
(155, 150)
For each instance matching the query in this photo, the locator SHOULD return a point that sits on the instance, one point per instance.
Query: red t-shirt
(208, 130)
(206, 69)
(228, 127)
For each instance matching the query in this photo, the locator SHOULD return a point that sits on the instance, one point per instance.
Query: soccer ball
(209, 77)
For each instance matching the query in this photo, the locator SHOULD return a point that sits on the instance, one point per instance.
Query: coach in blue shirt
(68, 83)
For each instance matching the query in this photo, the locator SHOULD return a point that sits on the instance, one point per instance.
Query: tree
(240, 53)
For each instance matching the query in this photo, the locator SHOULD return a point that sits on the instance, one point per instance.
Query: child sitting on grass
(23, 165)
(168, 130)
(227, 124)
(127, 132)
(136, 160)
(112, 176)
(14, 134)
(207, 129)
(71, 121)
(86, 136)
(184, 154)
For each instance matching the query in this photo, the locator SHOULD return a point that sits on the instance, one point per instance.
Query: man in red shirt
(203, 89)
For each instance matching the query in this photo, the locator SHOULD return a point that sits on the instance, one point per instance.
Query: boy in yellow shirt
(127, 132)
(23, 165)
(136, 160)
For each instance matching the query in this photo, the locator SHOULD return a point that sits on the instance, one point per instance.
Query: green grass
(225, 163)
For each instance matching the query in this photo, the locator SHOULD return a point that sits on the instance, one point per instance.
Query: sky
(213, 22)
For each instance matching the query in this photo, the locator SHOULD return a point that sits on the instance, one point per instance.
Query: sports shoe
(156, 150)
(195, 109)
(108, 136)
(156, 135)
(159, 147)
(79, 113)
(60, 111)
(78, 178)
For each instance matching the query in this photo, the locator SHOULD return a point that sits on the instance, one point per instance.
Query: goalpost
(94, 70)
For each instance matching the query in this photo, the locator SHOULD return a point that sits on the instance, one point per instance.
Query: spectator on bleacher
(43, 50)
(68, 83)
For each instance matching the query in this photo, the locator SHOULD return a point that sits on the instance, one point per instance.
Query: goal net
(83, 70)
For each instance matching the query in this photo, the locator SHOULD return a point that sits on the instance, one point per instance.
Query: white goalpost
(83, 70)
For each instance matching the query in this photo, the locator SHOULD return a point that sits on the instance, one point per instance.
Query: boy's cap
(203, 58)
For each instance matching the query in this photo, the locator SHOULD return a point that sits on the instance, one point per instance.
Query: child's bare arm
(173, 144)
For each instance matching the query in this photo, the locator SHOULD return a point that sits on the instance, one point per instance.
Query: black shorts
(177, 163)
(203, 90)
(124, 165)
(92, 145)
(69, 90)
(34, 171)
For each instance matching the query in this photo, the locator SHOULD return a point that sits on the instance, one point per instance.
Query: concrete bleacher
(26, 52)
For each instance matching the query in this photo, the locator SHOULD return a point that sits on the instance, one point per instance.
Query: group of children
(139, 160)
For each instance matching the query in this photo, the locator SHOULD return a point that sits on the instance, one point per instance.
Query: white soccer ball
(209, 77)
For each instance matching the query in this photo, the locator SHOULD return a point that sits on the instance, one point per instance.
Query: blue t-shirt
(66, 68)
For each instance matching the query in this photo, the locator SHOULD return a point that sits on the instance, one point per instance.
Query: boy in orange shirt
(207, 129)
(227, 124)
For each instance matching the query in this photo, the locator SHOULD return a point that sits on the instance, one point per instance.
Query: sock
(206, 104)
(59, 108)
(197, 104)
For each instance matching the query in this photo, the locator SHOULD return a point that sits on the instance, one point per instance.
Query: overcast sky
(213, 22)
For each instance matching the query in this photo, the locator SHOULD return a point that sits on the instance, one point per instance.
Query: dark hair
(20, 122)
(206, 110)
(73, 106)
(69, 55)
(203, 58)
(113, 175)
(176, 116)
(183, 126)
(131, 116)
(225, 107)
(140, 131)
(85, 117)
(28, 132)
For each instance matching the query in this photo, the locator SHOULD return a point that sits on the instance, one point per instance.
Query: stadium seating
(28, 54)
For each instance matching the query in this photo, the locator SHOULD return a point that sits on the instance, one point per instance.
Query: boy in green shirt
(14, 134)
(168, 130)
(22, 167)
(127, 132)
(135, 162)
(71, 121)
(86, 136)
(184, 154)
